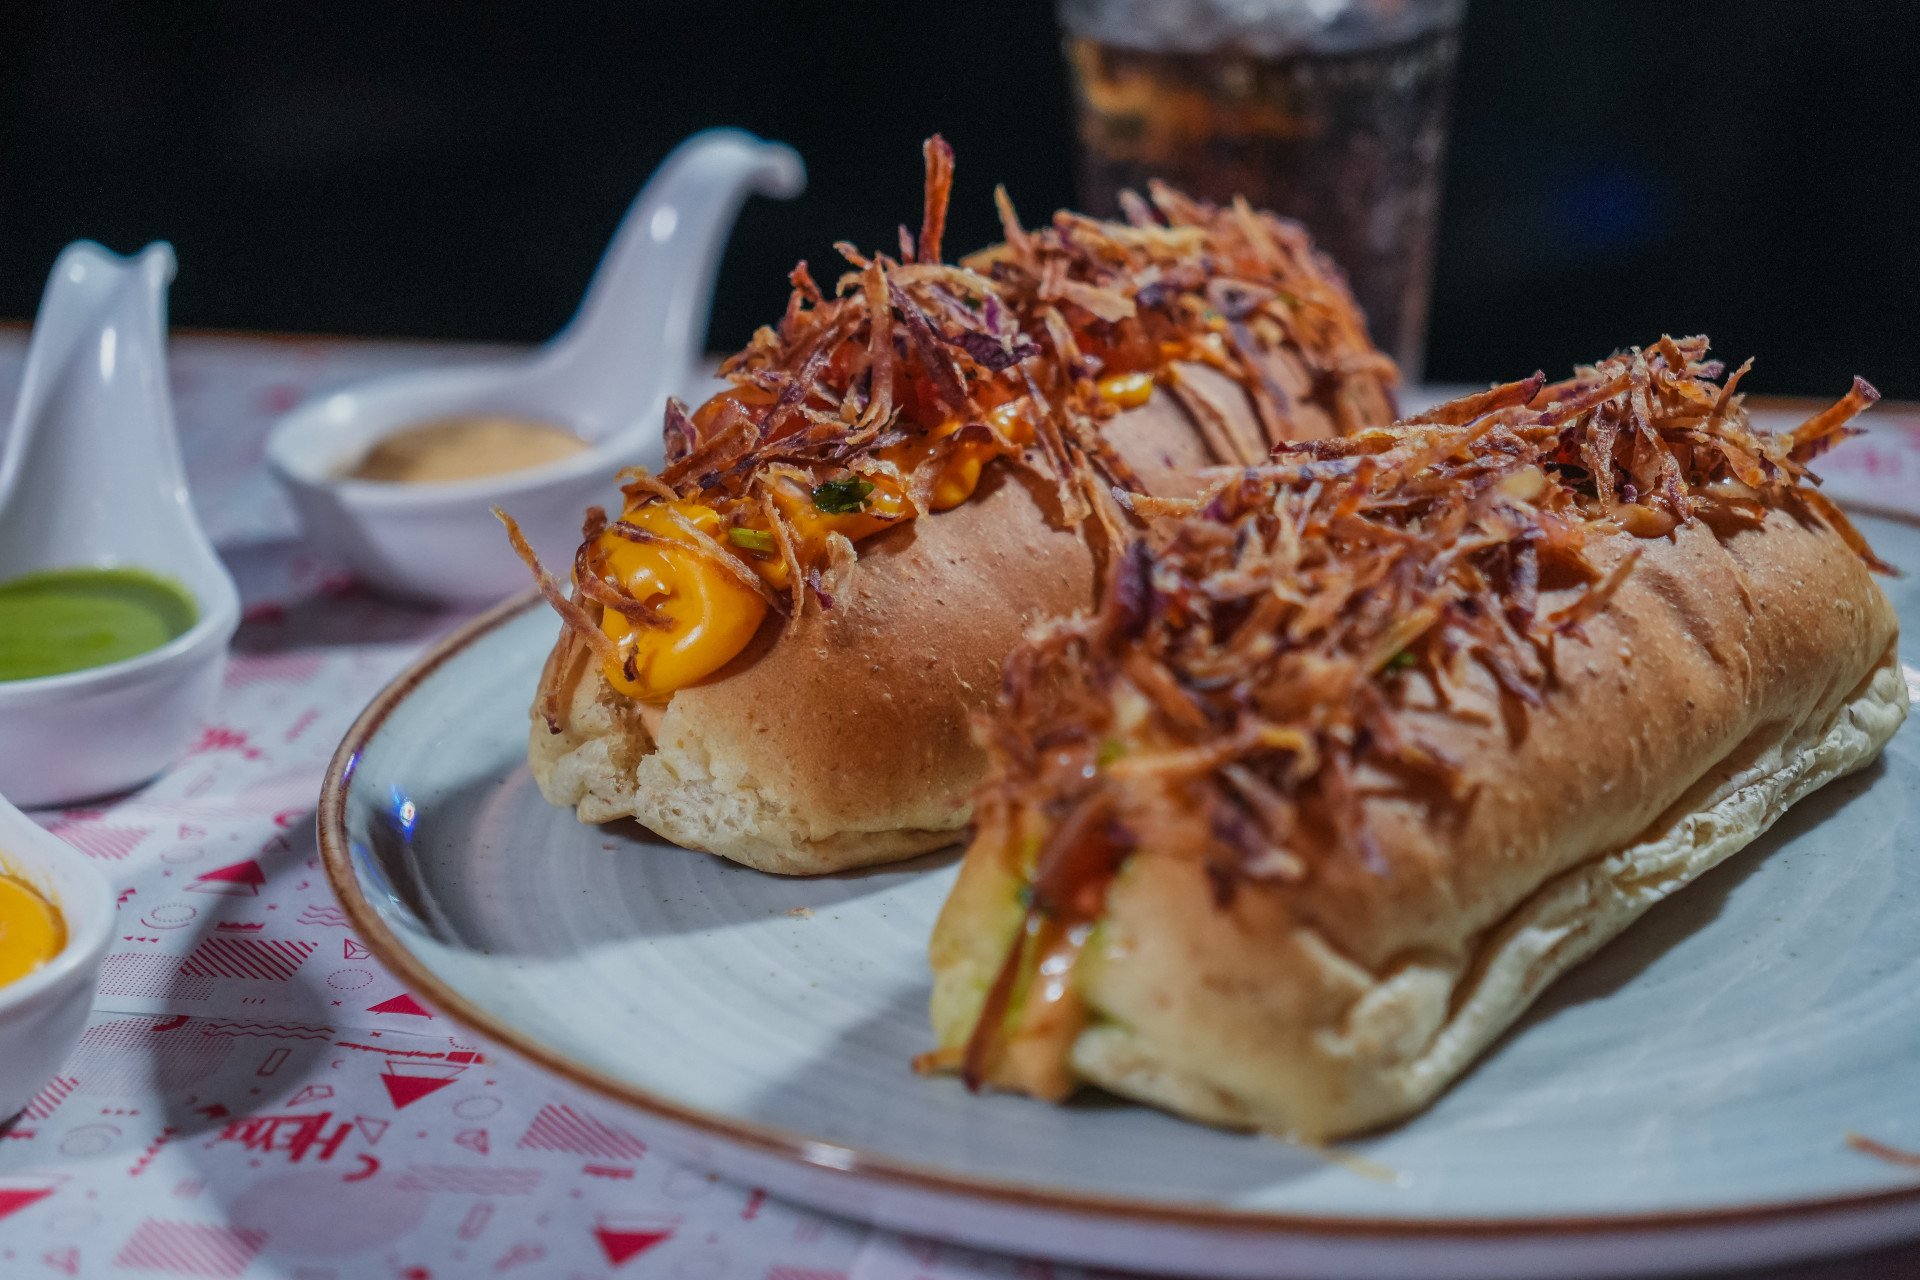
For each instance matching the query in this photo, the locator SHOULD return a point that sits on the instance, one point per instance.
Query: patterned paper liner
(254, 1095)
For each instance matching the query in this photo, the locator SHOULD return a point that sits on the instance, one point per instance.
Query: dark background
(1747, 168)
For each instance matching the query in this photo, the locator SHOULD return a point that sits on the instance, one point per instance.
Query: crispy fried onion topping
(906, 348)
(1251, 657)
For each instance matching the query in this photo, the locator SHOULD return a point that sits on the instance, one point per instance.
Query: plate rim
(821, 1156)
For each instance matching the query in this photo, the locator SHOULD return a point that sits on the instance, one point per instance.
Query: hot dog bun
(843, 738)
(839, 736)
(1339, 977)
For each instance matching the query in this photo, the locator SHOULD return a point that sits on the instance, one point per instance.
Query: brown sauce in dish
(465, 448)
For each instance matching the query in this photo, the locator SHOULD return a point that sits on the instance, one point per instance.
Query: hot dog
(1368, 744)
(773, 652)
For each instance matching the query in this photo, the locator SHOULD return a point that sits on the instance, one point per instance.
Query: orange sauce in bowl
(467, 447)
(31, 930)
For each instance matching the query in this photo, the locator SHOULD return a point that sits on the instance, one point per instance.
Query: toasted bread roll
(1390, 734)
(902, 478)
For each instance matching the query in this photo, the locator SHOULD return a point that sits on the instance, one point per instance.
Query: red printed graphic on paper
(622, 1240)
(247, 958)
(295, 1135)
(561, 1128)
(189, 1249)
(241, 880)
(408, 1081)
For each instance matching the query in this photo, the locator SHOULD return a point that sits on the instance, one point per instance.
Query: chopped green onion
(1111, 749)
(1402, 660)
(842, 497)
(752, 539)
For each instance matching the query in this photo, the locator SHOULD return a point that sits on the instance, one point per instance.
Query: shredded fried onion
(905, 347)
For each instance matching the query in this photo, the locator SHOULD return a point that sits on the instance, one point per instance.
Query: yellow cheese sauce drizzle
(31, 931)
(702, 616)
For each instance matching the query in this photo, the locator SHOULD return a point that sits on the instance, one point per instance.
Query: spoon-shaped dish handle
(90, 468)
(640, 329)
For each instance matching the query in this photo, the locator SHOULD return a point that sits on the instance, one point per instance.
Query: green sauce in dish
(72, 619)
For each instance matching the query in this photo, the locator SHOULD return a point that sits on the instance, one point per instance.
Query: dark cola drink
(1331, 113)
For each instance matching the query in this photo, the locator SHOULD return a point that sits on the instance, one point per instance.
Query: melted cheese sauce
(31, 930)
(702, 616)
(709, 614)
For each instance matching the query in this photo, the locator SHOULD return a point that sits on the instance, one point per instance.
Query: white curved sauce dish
(606, 378)
(91, 478)
(42, 1013)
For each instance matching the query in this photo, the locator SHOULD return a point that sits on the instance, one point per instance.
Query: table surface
(255, 1096)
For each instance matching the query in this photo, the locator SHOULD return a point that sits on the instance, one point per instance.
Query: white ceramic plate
(1681, 1101)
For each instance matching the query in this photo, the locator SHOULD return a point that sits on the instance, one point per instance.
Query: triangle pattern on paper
(351, 950)
(407, 1090)
(241, 880)
(370, 1128)
(402, 1003)
(14, 1199)
(619, 1246)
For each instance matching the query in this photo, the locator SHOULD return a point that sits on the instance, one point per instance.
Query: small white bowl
(605, 377)
(42, 1015)
(90, 476)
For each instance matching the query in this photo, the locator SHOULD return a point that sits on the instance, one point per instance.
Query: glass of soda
(1331, 112)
